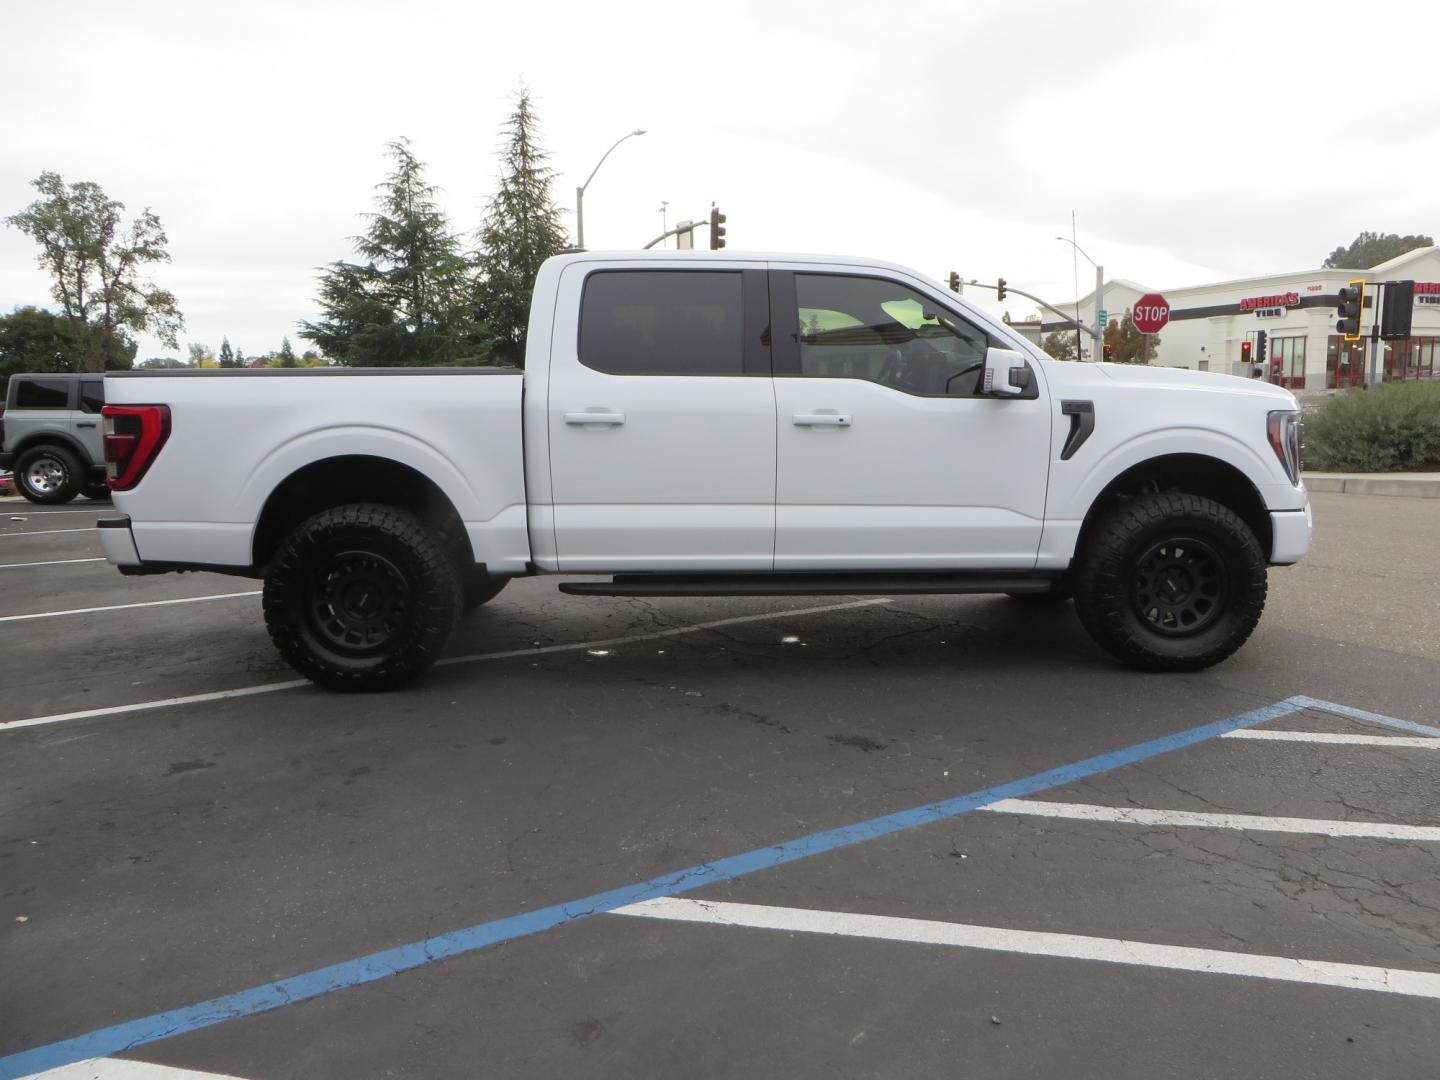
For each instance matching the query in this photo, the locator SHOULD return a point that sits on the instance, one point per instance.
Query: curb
(1420, 486)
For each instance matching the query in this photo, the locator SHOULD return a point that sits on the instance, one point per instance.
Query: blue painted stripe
(1367, 717)
(380, 965)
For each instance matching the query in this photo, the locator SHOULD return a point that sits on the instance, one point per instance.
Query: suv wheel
(362, 597)
(1171, 582)
(48, 474)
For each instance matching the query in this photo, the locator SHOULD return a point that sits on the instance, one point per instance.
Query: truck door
(662, 419)
(886, 457)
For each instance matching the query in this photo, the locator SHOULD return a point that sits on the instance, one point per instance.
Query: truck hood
(1140, 375)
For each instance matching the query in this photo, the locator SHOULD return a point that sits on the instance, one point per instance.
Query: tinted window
(871, 328)
(92, 396)
(662, 322)
(42, 394)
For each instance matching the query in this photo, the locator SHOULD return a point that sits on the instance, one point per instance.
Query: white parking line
(1422, 984)
(46, 513)
(52, 562)
(127, 607)
(1130, 815)
(1394, 742)
(45, 532)
(122, 1069)
(270, 688)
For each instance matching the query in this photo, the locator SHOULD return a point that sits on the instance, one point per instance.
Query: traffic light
(955, 281)
(1245, 353)
(1396, 310)
(717, 229)
(1259, 346)
(1000, 290)
(1352, 300)
(1108, 350)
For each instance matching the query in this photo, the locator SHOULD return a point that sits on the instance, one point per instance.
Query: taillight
(134, 435)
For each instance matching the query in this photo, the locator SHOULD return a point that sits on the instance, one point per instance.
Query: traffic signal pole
(1094, 331)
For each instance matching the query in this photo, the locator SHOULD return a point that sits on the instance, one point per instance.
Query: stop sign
(1150, 313)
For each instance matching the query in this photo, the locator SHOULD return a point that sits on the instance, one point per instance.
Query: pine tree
(227, 354)
(286, 353)
(408, 302)
(522, 229)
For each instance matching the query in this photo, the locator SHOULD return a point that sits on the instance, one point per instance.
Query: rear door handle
(594, 417)
(821, 419)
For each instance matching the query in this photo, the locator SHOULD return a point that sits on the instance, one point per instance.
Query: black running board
(890, 584)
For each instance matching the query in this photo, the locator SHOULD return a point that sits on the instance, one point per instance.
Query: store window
(1287, 362)
(1344, 363)
(1413, 358)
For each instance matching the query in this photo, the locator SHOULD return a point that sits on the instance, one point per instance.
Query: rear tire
(1171, 582)
(362, 597)
(48, 475)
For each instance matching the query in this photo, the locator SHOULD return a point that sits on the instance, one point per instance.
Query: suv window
(855, 327)
(662, 322)
(92, 396)
(42, 394)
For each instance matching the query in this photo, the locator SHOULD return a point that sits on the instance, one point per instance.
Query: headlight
(1283, 429)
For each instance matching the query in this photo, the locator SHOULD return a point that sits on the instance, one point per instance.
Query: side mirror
(1006, 373)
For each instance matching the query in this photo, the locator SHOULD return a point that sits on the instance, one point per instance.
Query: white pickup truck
(716, 424)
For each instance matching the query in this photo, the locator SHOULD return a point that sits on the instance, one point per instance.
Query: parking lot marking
(291, 684)
(127, 607)
(161, 703)
(653, 635)
(381, 965)
(1394, 742)
(52, 562)
(1365, 716)
(1134, 815)
(1422, 984)
(46, 532)
(123, 1069)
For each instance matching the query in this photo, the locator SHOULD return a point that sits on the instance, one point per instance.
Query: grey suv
(51, 436)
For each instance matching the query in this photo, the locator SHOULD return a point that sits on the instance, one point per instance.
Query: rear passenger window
(92, 396)
(42, 394)
(662, 322)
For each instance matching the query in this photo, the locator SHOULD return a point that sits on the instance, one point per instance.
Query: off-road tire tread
(1105, 566)
(438, 596)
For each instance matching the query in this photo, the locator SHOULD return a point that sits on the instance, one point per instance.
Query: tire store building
(1210, 325)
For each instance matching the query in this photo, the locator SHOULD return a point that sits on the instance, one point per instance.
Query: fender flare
(1193, 442)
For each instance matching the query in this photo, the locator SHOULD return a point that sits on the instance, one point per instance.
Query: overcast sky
(1192, 141)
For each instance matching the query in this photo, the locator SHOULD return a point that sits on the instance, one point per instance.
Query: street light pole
(580, 191)
(1099, 330)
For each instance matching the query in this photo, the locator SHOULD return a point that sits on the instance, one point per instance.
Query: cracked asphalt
(160, 858)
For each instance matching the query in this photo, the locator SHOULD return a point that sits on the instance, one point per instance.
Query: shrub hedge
(1393, 427)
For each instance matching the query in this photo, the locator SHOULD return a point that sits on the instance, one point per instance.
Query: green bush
(1394, 427)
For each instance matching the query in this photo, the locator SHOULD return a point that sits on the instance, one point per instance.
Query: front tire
(1171, 582)
(480, 587)
(48, 475)
(98, 492)
(362, 597)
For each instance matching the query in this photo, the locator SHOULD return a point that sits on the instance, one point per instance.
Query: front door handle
(86, 423)
(595, 418)
(821, 419)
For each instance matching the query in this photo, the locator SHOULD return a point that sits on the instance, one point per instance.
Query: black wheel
(1171, 582)
(95, 491)
(361, 597)
(480, 586)
(48, 474)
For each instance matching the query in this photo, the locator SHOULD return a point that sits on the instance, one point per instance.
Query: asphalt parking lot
(721, 838)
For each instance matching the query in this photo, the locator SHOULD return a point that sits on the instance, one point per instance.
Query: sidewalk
(1422, 485)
